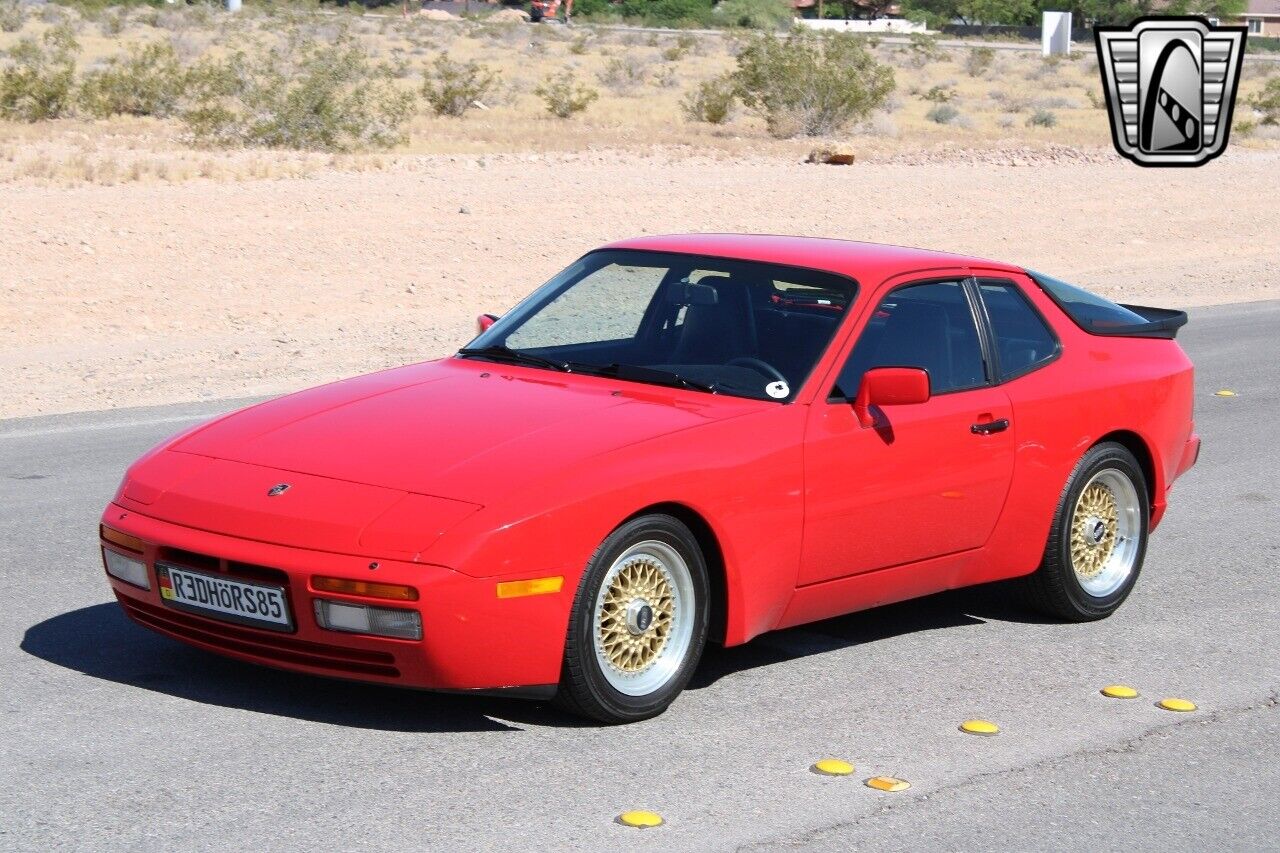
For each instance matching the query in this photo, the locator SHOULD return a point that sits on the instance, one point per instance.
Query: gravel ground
(150, 293)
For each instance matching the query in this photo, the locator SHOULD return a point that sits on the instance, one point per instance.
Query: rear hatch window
(1099, 316)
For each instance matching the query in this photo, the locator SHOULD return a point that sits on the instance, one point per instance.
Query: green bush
(40, 82)
(942, 114)
(455, 87)
(148, 82)
(12, 16)
(810, 84)
(565, 99)
(305, 97)
(665, 12)
(979, 61)
(1267, 101)
(939, 94)
(594, 8)
(756, 14)
(1042, 118)
(711, 102)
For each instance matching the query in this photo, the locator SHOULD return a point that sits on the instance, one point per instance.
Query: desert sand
(146, 293)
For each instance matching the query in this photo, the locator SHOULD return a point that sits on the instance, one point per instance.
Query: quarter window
(929, 326)
(1023, 339)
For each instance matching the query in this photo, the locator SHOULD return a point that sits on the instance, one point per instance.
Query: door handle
(989, 427)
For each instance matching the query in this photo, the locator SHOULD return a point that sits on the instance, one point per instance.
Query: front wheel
(639, 622)
(1098, 538)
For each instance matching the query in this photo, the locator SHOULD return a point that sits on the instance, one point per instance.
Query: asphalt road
(114, 738)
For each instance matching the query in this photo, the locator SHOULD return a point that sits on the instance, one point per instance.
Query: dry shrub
(455, 87)
(148, 82)
(306, 97)
(1267, 102)
(810, 84)
(12, 16)
(564, 99)
(624, 75)
(979, 61)
(1042, 118)
(942, 114)
(712, 101)
(40, 82)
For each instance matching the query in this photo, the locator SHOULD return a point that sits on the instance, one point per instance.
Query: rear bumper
(1190, 455)
(472, 640)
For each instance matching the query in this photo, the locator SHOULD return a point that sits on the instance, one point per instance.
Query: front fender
(742, 476)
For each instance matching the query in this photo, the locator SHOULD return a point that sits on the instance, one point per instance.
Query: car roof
(867, 263)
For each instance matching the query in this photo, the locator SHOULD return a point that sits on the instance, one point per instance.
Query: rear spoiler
(1161, 323)
(1149, 322)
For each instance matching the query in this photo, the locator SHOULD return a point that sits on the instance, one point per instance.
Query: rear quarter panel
(1097, 386)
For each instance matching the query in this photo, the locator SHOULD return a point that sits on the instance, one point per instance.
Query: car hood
(465, 430)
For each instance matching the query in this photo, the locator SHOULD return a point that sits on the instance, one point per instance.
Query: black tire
(1055, 588)
(584, 688)
(534, 16)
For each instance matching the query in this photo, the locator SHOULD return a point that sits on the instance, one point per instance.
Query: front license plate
(259, 605)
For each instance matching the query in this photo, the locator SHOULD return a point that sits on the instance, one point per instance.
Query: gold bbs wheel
(642, 631)
(1105, 530)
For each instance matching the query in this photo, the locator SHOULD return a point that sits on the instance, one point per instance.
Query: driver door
(928, 479)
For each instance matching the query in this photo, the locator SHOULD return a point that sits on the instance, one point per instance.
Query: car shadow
(954, 609)
(101, 642)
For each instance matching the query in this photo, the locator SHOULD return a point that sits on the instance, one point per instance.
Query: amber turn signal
(536, 586)
(124, 540)
(390, 591)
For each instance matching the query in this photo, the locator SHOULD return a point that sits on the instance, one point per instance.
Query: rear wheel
(639, 622)
(1098, 538)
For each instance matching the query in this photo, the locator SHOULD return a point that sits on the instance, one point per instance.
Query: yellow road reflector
(1225, 392)
(640, 819)
(1172, 704)
(979, 727)
(888, 783)
(1119, 691)
(536, 586)
(832, 767)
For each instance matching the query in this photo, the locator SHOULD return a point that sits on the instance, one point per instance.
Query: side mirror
(890, 386)
(484, 321)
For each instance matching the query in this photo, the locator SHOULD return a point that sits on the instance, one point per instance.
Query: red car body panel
(455, 475)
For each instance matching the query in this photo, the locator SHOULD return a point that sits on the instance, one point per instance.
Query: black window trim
(833, 395)
(990, 327)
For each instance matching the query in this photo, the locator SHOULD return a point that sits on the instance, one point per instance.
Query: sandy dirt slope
(149, 293)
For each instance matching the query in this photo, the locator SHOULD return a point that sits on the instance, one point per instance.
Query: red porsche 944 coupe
(676, 439)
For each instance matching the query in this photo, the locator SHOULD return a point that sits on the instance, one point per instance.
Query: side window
(607, 305)
(921, 325)
(1023, 339)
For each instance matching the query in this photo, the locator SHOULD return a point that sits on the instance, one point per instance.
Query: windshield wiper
(502, 352)
(651, 375)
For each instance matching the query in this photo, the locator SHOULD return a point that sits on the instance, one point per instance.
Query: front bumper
(471, 639)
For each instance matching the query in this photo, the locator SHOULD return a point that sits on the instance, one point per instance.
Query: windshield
(708, 324)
